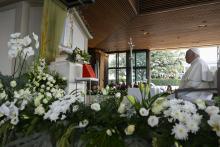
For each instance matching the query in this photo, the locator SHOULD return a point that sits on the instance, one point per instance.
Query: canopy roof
(153, 24)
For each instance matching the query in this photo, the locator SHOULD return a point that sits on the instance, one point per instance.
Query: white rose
(13, 83)
(109, 132)
(211, 110)
(42, 86)
(153, 121)
(96, 107)
(39, 110)
(144, 112)
(118, 95)
(130, 130)
(121, 108)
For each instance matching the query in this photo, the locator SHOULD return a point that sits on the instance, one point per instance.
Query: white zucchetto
(196, 51)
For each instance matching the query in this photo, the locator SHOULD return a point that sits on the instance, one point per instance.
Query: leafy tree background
(167, 64)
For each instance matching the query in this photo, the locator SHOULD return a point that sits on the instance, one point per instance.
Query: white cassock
(197, 76)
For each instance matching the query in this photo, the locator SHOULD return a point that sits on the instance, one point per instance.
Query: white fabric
(197, 76)
(196, 51)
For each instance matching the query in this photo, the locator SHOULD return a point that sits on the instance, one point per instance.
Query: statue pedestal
(71, 71)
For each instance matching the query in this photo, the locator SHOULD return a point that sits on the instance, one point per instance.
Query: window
(139, 66)
(119, 67)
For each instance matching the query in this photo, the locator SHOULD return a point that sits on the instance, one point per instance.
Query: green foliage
(98, 138)
(166, 64)
(165, 82)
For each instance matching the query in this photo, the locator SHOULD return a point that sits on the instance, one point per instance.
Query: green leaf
(133, 101)
(64, 140)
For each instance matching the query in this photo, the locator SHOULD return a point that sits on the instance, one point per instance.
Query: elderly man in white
(197, 76)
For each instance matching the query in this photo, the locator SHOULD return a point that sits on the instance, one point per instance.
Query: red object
(88, 71)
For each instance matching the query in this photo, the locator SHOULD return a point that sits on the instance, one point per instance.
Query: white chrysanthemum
(39, 110)
(192, 126)
(13, 83)
(200, 103)
(184, 117)
(196, 117)
(118, 95)
(121, 108)
(180, 132)
(214, 122)
(84, 123)
(211, 110)
(109, 132)
(129, 130)
(96, 107)
(144, 112)
(153, 121)
(176, 114)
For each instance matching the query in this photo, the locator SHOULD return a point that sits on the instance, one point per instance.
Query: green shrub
(165, 82)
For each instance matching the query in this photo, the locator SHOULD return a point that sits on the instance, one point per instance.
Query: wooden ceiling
(162, 24)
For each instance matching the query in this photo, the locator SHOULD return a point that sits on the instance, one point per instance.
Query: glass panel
(122, 75)
(112, 60)
(112, 75)
(141, 59)
(141, 75)
(122, 59)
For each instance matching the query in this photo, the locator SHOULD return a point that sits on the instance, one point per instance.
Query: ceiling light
(202, 26)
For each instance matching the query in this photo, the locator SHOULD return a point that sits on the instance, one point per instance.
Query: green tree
(167, 64)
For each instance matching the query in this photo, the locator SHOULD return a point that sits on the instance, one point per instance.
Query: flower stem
(22, 64)
(14, 67)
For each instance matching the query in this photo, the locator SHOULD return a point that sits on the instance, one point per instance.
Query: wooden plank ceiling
(160, 24)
